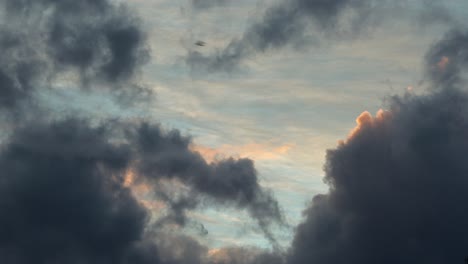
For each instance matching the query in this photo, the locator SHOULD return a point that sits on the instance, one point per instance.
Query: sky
(219, 131)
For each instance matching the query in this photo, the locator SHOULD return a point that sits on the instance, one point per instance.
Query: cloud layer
(397, 184)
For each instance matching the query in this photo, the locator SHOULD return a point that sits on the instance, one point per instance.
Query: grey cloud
(99, 41)
(179, 249)
(64, 198)
(447, 59)
(397, 188)
(289, 23)
(397, 184)
(203, 4)
(241, 255)
(309, 23)
(435, 12)
(225, 182)
(20, 68)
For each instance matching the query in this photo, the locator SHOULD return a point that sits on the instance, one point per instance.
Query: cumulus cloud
(62, 198)
(396, 188)
(227, 181)
(65, 197)
(98, 42)
(397, 183)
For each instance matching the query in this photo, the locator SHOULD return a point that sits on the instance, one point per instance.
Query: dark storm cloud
(397, 188)
(99, 41)
(63, 196)
(180, 249)
(98, 38)
(20, 68)
(226, 182)
(447, 60)
(62, 199)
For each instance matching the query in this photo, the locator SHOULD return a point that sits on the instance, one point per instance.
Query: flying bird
(200, 43)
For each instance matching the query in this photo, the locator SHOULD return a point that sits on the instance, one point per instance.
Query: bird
(200, 43)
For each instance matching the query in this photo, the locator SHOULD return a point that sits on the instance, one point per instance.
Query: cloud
(288, 23)
(66, 192)
(435, 12)
(70, 188)
(226, 181)
(309, 23)
(97, 42)
(365, 120)
(447, 59)
(74, 189)
(63, 198)
(396, 188)
(203, 4)
(397, 183)
(253, 151)
(242, 255)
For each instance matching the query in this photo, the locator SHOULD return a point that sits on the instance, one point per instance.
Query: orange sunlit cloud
(153, 205)
(366, 119)
(232, 255)
(443, 62)
(253, 150)
(139, 188)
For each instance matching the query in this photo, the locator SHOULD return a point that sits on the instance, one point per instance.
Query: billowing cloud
(397, 187)
(63, 198)
(227, 181)
(97, 42)
(66, 195)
